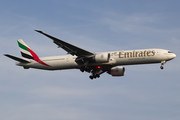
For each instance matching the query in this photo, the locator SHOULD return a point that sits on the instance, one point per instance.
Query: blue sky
(145, 92)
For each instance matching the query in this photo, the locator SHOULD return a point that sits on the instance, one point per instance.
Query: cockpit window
(170, 52)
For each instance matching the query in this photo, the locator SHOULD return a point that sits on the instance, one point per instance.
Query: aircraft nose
(174, 55)
(171, 56)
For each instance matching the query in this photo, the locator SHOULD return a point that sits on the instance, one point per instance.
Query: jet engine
(117, 71)
(102, 57)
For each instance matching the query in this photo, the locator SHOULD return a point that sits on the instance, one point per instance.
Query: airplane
(86, 61)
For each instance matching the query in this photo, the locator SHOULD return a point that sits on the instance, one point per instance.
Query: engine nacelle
(102, 57)
(117, 71)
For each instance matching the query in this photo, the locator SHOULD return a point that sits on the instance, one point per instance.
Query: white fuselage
(128, 57)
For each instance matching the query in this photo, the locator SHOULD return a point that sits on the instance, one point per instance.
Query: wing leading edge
(71, 49)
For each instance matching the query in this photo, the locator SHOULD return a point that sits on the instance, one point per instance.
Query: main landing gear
(95, 72)
(94, 76)
(162, 63)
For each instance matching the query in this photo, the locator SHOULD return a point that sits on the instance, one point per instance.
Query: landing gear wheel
(82, 69)
(91, 77)
(162, 67)
(94, 76)
(97, 75)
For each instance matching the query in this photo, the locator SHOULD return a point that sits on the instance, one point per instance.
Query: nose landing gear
(162, 63)
(161, 67)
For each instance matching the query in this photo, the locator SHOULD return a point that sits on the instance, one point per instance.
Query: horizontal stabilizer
(17, 59)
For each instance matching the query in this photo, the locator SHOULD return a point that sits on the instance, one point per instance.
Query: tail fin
(27, 53)
(25, 50)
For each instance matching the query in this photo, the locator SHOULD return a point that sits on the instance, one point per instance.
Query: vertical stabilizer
(25, 50)
(27, 53)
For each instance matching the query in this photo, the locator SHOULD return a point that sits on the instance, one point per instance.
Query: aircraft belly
(58, 65)
(53, 65)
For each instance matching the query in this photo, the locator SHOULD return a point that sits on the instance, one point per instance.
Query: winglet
(39, 31)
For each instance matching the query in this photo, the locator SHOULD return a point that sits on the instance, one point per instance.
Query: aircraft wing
(71, 49)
